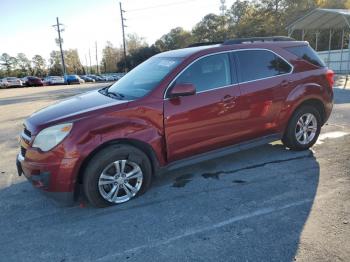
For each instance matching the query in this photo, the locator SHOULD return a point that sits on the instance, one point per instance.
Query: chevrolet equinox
(177, 108)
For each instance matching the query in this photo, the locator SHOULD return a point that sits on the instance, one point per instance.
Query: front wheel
(116, 174)
(303, 128)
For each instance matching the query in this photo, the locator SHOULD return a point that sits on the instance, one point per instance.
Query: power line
(59, 40)
(159, 6)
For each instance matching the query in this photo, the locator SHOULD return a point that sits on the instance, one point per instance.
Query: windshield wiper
(114, 94)
(105, 92)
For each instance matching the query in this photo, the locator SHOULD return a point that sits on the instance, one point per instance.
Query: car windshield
(145, 77)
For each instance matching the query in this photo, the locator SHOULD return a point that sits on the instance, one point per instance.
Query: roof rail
(205, 43)
(257, 39)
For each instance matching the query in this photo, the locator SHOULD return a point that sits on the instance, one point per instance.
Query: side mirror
(183, 89)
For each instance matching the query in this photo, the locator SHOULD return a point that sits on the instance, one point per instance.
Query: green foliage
(212, 28)
(55, 66)
(110, 58)
(24, 65)
(72, 61)
(137, 57)
(175, 39)
(39, 66)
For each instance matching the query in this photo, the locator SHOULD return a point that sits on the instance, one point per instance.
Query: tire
(97, 187)
(292, 138)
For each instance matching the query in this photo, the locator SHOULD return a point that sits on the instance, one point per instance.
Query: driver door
(209, 119)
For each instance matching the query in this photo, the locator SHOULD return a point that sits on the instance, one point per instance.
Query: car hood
(71, 109)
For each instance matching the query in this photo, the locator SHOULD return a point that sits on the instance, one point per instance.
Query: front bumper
(53, 179)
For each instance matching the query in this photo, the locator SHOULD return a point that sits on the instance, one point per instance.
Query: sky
(26, 25)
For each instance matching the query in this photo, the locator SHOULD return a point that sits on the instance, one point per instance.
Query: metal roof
(320, 18)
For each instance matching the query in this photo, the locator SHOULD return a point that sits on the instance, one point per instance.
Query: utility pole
(123, 30)
(86, 63)
(90, 60)
(96, 57)
(59, 30)
(223, 7)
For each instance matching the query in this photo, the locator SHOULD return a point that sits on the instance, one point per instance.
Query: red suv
(175, 109)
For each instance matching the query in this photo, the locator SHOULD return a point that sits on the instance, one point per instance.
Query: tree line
(21, 65)
(243, 19)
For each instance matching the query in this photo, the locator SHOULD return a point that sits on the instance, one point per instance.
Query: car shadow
(248, 206)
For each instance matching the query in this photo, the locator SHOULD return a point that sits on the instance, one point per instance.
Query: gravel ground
(264, 204)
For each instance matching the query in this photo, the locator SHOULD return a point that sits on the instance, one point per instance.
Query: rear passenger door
(263, 76)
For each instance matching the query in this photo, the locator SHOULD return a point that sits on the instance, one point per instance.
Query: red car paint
(33, 81)
(172, 129)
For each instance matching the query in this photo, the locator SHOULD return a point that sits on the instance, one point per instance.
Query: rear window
(307, 53)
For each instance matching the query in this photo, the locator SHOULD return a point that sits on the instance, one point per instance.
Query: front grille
(23, 151)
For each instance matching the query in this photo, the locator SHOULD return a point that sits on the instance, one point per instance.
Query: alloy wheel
(306, 128)
(120, 181)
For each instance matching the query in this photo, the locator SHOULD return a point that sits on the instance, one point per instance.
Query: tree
(55, 66)
(110, 57)
(24, 65)
(39, 65)
(137, 57)
(238, 11)
(8, 62)
(212, 28)
(134, 42)
(72, 60)
(175, 39)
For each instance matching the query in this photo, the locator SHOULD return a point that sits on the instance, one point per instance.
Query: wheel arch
(315, 102)
(144, 147)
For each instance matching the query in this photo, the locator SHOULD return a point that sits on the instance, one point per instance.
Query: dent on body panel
(143, 124)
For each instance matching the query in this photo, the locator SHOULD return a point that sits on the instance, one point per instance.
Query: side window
(208, 73)
(282, 66)
(258, 64)
(307, 53)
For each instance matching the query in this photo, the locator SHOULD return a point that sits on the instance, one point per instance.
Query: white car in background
(13, 81)
(3, 83)
(54, 80)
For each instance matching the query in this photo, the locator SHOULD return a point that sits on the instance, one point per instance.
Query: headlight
(50, 137)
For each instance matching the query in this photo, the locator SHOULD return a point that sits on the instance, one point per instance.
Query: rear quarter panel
(305, 85)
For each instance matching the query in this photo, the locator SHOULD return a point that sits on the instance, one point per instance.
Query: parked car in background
(96, 78)
(13, 81)
(103, 78)
(73, 79)
(87, 79)
(32, 81)
(3, 83)
(54, 80)
(177, 108)
(110, 78)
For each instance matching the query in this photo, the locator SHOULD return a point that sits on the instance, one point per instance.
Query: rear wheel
(303, 128)
(116, 174)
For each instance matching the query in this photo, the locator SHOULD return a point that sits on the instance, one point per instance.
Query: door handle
(227, 99)
(285, 83)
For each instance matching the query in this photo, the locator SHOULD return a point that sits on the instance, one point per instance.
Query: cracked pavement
(263, 204)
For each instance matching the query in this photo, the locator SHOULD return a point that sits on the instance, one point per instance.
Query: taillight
(330, 77)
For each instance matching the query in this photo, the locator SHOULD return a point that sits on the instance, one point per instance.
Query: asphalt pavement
(264, 204)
